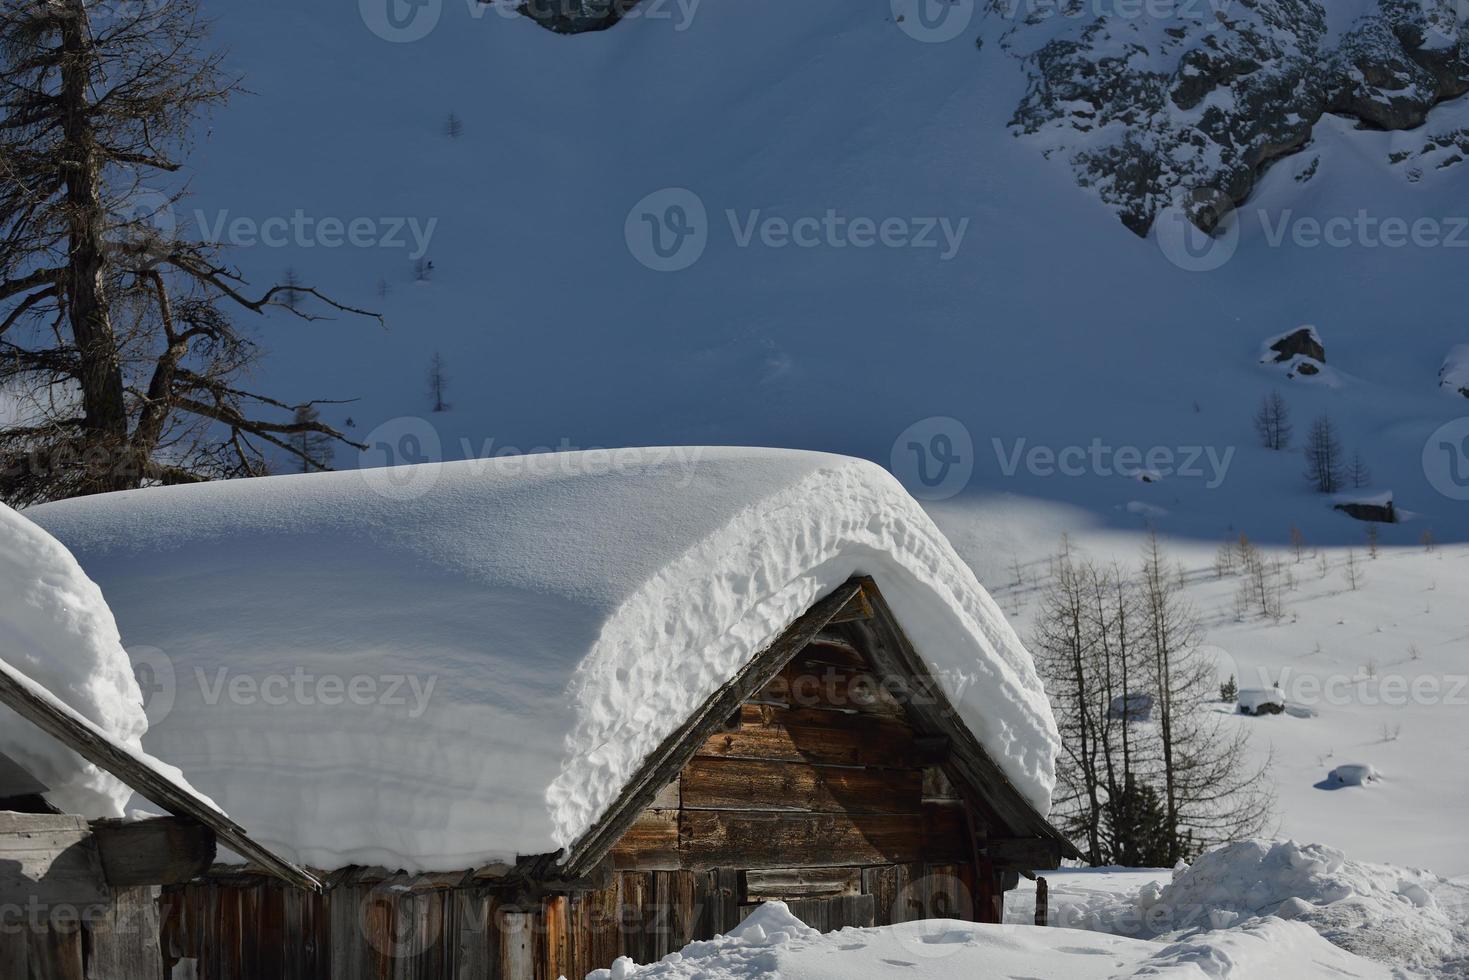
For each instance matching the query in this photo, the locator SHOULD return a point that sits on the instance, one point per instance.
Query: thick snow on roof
(431, 667)
(56, 631)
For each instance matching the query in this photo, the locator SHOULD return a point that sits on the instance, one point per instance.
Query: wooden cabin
(832, 775)
(842, 719)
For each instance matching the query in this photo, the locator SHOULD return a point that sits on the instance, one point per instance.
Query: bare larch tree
(438, 383)
(1272, 422)
(116, 337)
(1324, 457)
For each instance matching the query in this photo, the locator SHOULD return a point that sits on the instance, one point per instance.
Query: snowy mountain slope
(1046, 322)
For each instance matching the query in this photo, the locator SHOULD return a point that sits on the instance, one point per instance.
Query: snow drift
(773, 943)
(56, 630)
(433, 667)
(1408, 919)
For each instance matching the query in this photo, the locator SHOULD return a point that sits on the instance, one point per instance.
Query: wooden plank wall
(233, 931)
(818, 792)
(820, 769)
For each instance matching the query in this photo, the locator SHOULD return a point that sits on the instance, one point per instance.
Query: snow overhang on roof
(437, 667)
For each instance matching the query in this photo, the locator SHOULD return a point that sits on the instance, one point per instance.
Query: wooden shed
(662, 702)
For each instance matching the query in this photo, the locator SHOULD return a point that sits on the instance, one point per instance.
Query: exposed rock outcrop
(1153, 111)
(1304, 342)
(576, 16)
(1380, 510)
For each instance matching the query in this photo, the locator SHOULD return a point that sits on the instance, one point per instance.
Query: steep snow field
(1034, 315)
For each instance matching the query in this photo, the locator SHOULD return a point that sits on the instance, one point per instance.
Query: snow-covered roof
(56, 631)
(435, 667)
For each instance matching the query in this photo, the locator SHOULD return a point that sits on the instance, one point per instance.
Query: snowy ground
(1238, 912)
(1384, 671)
(772, 943)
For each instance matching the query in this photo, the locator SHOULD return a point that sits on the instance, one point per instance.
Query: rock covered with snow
(56, 630)
(1185, 107)
(1261, 701)
(1454, 375)
(470, 669)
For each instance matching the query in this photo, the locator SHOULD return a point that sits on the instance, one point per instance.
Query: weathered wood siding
(818, 792)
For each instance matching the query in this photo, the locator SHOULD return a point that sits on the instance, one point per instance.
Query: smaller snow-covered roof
(56, 630)
(471, 669)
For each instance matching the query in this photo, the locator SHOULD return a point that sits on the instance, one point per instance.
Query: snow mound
(56, 631)
(1376, 911)
(433, 667)
(943, 949)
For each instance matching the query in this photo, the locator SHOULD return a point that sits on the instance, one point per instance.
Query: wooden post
(1042, 901)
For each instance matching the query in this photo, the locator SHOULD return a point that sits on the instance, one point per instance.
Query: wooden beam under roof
(64, 724)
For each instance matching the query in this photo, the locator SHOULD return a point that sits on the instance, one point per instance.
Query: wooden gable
(823, 738)
(818, 769)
